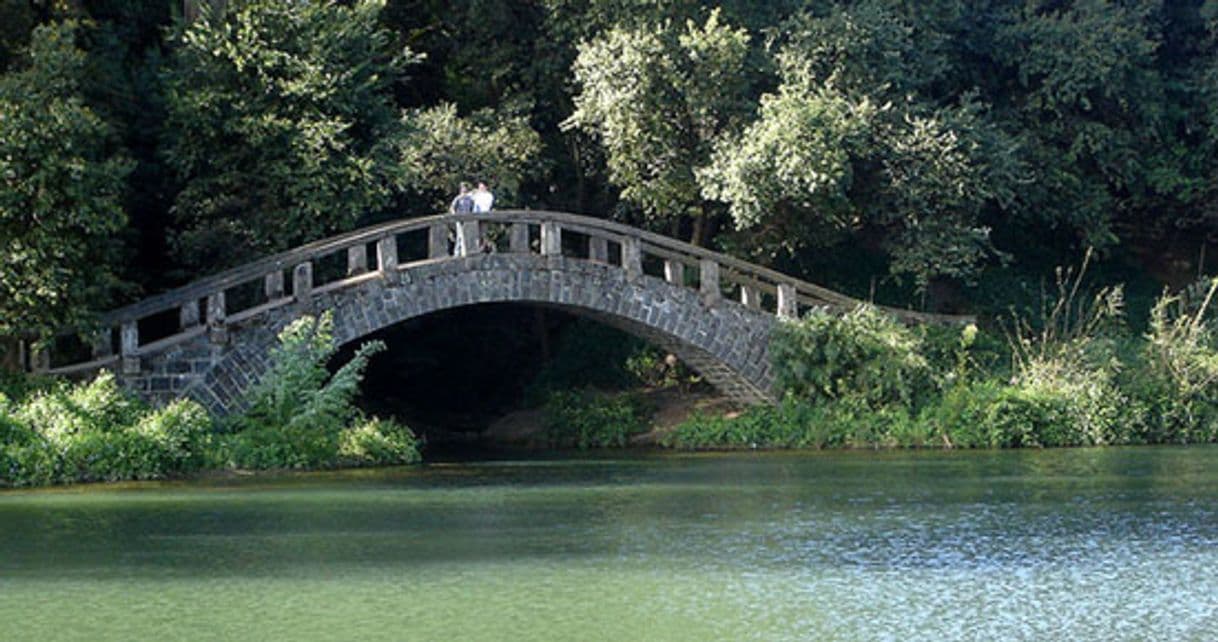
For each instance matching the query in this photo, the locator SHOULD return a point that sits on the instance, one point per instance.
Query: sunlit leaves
(659, 97)
(442, 149)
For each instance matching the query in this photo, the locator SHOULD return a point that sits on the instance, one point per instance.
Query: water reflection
(1074, 544)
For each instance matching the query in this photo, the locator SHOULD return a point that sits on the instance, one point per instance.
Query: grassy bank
(1075, 376)
(299, 417)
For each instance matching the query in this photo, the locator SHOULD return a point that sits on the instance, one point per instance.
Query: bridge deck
(209, 305)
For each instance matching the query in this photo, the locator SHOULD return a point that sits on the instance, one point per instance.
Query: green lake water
(1116, 544)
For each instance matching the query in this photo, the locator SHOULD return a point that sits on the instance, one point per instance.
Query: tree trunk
(192, 9)
(581, 202)
(706, 223)
(698, 235)
(10, 355)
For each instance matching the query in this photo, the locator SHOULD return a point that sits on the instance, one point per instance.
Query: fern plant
(298, 392)
(297, 411)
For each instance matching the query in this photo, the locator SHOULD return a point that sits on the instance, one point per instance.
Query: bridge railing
(210, 305)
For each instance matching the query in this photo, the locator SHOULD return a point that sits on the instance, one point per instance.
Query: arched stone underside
(725, 341)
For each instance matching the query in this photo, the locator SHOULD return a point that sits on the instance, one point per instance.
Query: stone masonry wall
(727, 343)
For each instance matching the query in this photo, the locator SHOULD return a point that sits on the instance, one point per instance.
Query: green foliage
(1178, 379)
(863, 354)
(61, 186)
(588, 419)
(377, 442)
(441, 149)
(180, 432)
(18, 386)
(284, 109)
(301, 416)
(658, 98)
(592, 354)
(849, 143)
(297, 393)
(989, 414)
(97, 406)
(1073, 336)
(655, 368)
(95, 431)
(846, 423)
(16, 22)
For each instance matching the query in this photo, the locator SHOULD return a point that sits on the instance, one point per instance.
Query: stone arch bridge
(209, 340)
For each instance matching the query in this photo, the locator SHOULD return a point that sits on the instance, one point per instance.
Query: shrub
(864, 353)
(12, 430)
(300, 415)
(377, 442)
(1179, 379)
(179, 433)
(33, 463)
(990, 414)
(297, 394)
(588, 419)
(850, 423)
(279, 447)
(97, 405)
(18, 386)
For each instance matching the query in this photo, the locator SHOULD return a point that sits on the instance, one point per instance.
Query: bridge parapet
(211, 306)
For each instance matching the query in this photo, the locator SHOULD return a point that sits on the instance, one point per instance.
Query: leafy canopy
(281, 125)
(659, 98)
(62, 181)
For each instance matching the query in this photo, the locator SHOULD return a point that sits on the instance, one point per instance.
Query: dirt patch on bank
(670, 407)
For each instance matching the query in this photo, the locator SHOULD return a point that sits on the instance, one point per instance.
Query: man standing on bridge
(462, 204)
(484, 200)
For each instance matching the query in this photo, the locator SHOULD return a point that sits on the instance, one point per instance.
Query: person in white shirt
(484, 200)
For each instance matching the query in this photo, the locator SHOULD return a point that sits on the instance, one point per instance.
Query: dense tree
(281, 125)
(440, 149)
(659, 98)
(931, 138)
(852, 143)
(63, 179)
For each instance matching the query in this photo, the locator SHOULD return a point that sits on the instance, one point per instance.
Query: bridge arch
(728, 346)
(713, 311)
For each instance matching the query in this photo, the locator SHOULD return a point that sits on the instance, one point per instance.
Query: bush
(179, 433)
(299, 414)
(298, 394)
(588, 419)
(33, 463)
(18, 386)
(96, 431)
(1178, 375)
(378, 442)
(300, 417)
(63, 411)
(848, 423)
(864, 354)
(990, 414)
(271, 447)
